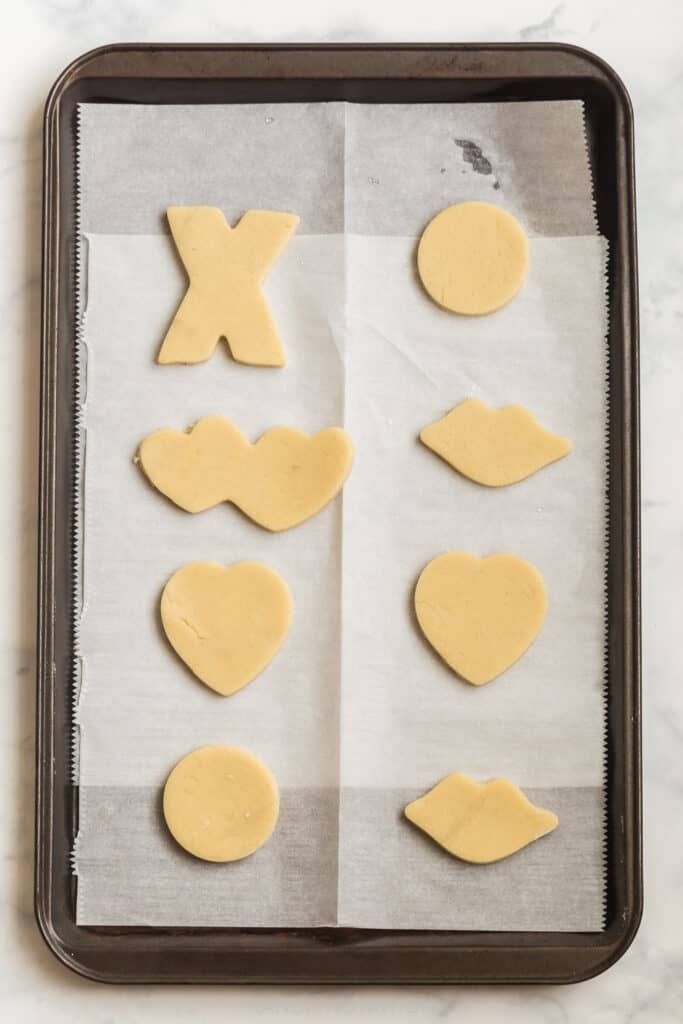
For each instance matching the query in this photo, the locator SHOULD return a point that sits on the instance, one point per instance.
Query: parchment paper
(356, 715)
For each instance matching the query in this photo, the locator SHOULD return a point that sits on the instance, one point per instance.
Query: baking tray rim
(608, 946)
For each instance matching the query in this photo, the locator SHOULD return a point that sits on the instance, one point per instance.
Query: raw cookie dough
(279, 481)
(221, 803)
(473, 258)
(479, 822)
(494, 447)
(480, 614)
(226, 624)
(226, 267)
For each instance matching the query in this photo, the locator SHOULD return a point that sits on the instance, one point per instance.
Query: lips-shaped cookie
(280, 481)
(479, 822)
(495, 447)
(480, 614)
(226, 624)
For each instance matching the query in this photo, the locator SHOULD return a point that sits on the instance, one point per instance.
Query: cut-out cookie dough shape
(226, 623)
(281, 480)
(473, 258)
(479, 822)
(480, 614)
(494, 447)
(221, 803)
(226, 267)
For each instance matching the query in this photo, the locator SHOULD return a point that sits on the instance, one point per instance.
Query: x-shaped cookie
(226, 267)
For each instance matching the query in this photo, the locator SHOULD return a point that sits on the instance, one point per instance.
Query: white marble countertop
(644, 43)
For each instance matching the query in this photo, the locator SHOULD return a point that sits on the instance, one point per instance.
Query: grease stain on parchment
(472, 154)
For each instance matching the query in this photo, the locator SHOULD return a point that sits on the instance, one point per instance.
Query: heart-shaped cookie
(282, 479)
(226, 624)
(480, 614)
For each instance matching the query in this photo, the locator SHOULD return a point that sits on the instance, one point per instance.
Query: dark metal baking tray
(375, 74)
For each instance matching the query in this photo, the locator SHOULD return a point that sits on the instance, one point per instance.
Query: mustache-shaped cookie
(280, 481)
(495, 447)
(480, 614)
(226, 623)
(479, 822)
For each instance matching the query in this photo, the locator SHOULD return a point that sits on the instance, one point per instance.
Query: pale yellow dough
(479, 822)
(221, 803)
(480, 614)
(495, 447)
(226, 267)
(226, 624)
(281, 480)
(473, 258)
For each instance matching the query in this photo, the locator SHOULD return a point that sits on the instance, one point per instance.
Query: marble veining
(643, 42)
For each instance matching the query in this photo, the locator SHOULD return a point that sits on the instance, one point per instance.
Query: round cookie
(221, 803)
(473, 258)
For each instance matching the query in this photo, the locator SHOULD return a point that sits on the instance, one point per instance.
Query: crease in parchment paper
(386, 339)
(354, 722)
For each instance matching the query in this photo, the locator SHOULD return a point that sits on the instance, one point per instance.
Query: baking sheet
(356, 715)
